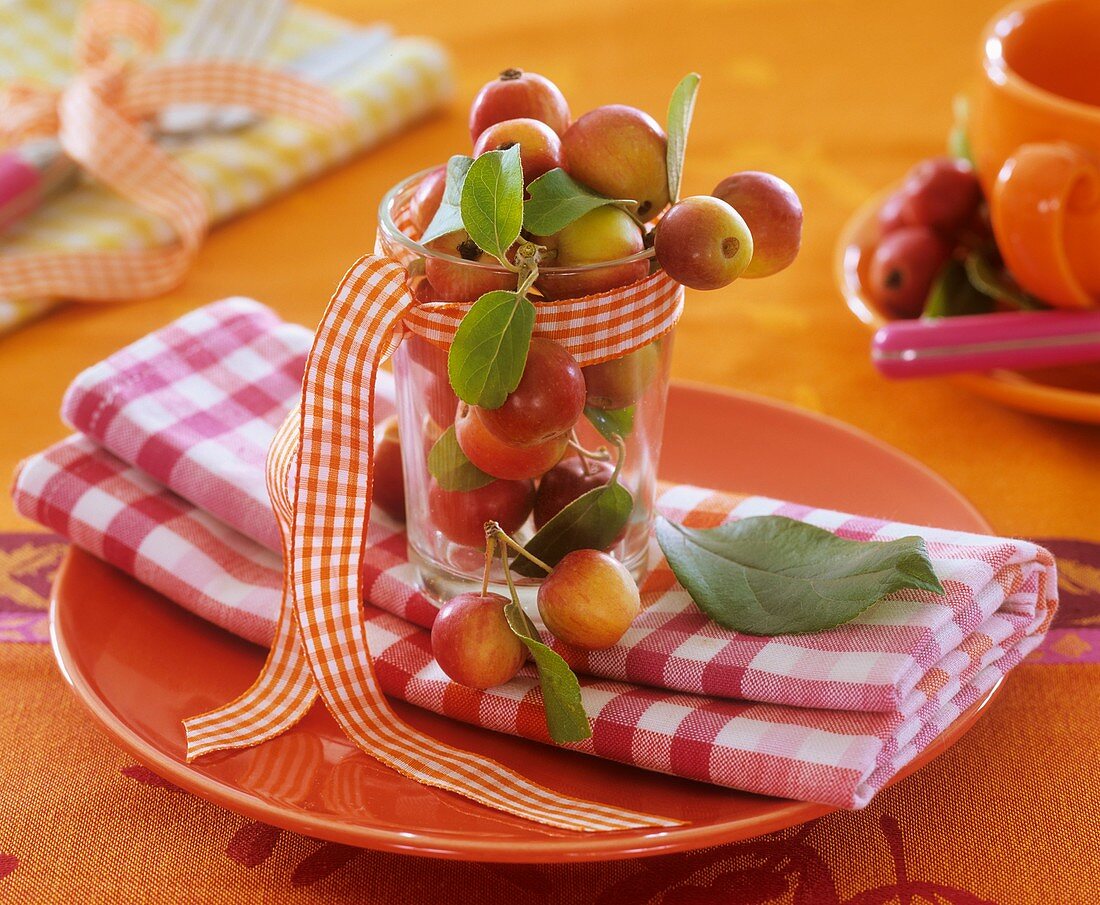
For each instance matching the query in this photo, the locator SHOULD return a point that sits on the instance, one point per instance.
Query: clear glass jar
(445, 537)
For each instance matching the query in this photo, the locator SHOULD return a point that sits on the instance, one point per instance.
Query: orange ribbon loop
(99, 122)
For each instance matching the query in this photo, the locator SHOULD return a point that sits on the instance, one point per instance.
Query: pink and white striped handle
(980, 342)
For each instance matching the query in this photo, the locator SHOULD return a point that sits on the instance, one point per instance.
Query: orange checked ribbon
(99, 118)
(320, 473)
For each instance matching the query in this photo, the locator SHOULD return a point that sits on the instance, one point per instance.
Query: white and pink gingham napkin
(166, 481)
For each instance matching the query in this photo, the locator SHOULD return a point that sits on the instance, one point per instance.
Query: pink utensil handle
(20, 188)
(980, 342)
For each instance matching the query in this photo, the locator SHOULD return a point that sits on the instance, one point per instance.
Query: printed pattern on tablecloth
(833, 757)
(893, 657)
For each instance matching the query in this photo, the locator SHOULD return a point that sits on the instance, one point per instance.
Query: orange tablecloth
(837, 96)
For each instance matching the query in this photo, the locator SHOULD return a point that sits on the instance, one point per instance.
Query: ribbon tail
(331, 515)
(284, 691)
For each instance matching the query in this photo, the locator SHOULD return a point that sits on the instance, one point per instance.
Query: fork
(238, 30)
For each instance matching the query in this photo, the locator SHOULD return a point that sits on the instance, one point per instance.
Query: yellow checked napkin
(239, 170)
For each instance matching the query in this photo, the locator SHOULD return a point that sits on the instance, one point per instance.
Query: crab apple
(461, 514)
(903, 267)
(548, 400)
(473, 643)
(499, 458)
(389, 480)
(604, 234)
(566, 481)
(539, 145)
(516, 94)
(773, 214)
(455, 278)
(941, 192)
(620, 152)
(426, 198)
(439, 398)
(589, 600)
(703, 243)
(619, 382)
(891, 214)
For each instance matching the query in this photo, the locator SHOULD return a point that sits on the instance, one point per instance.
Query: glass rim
(393, 233)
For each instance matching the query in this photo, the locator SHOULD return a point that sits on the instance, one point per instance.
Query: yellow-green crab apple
(589, 600)
(473, 643)
(602, 235)
(703, 243)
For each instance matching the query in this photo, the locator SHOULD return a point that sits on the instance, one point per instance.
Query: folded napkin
(166, 481)
(240, 170)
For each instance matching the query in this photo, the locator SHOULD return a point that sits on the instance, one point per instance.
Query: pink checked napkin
(166, 481)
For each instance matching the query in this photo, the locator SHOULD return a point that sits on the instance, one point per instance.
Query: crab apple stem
(505, 541)
(490, 544)
(600, 455)
(621, 460)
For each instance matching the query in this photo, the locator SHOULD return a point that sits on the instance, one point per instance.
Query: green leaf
(556, 200)
(990, 279)
(952, 294)
(489, 351)
(492, 201)
(593, 521)
(448, 218)
(680, 110)
(772, 575)
(958, 139)
(448, 464)
(561, 692)
(610, 422)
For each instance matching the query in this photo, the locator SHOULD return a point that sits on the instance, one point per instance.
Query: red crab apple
(473, 643)
(516, 94)
(455, 278)
(620, 152)
(773, 214)
(604, 234)
(500, 458)
(439, 399)
(903, 267)
(389, 481)
(566, 481)
(548, 400)
(461, 514)
(426, 198)
(619, 382)
(588, 600)
(539, 145)
(703, 243)
(942, 193)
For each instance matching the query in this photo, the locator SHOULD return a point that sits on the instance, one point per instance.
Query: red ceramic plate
(1070, 393)
(141, 664)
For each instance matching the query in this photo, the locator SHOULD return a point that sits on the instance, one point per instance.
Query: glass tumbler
(446, 513)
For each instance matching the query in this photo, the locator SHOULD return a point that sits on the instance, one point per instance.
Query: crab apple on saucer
(539, 145)
(461, 514)
(473, 643)
(589, 600)
(903, 268)
(620, 152)
(703, 243)
(773, 214)
(941, 192)
(499, 458)
(516, 94)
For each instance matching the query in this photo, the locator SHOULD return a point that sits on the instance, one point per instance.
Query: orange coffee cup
(1035, 135)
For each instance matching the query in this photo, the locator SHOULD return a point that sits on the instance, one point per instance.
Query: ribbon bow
(98, 118)
(320, 477)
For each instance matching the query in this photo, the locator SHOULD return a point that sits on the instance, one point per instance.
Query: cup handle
(1035, 190)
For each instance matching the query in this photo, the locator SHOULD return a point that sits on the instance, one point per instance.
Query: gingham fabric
(236, 171)
(194, 406)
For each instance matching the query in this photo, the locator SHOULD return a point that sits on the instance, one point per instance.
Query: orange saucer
(1070, 393)
(140, 664)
